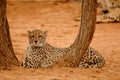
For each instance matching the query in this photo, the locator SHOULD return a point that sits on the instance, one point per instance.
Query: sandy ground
(57, 19)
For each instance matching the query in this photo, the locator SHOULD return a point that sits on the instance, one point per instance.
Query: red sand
(57, 19)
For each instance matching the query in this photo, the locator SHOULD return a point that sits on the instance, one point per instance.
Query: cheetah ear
(45, 33)
(29, 32)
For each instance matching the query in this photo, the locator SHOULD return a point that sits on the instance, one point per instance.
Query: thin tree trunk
(85, 35)
(7, 55)
(84, 38)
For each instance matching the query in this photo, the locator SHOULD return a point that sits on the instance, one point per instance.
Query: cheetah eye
(39, 36)
(32, 36)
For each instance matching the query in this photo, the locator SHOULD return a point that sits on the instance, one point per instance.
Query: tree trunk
(86, 31)
(88, 16)
(7, 55)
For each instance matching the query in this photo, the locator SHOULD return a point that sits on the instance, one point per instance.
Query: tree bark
(85, 35)
(7, 55)
(86, 31)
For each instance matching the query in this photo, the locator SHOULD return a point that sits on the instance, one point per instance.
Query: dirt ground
(57, 19)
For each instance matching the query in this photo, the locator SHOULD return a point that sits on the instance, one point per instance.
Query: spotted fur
(113, 15)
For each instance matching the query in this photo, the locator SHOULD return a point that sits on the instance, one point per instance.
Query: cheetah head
(37, 38)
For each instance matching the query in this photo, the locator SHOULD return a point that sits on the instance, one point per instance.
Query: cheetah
(110, 11)
(41, 54)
